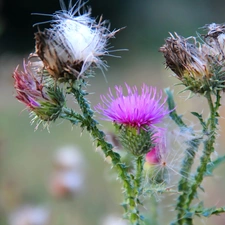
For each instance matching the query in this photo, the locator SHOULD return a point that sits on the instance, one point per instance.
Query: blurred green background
(26, 157)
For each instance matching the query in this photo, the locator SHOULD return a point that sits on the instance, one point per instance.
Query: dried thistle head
(215, 39)
(185, 58)
(199, 65)
(74, 44)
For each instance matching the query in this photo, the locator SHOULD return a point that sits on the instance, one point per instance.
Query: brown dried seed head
(184, 57)
(56, 58)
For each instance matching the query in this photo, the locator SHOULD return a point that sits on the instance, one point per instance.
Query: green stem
(153, 211)
(183, 185)
(172, 107)
(87, 121)
(139, 161)
(208, 146)
(187, 163)
(139, 173)
(210, 211)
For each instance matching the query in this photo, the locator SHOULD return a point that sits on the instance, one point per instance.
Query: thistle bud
(154, 161)
(44, 101)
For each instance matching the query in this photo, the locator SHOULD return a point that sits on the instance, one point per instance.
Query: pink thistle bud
(153, 157)
(44, 100)
(28, 87)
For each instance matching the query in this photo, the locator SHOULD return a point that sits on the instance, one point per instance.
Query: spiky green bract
(214, 164)
(49, 110)
(138, 142)
(205, 84)
(200, 210)
(130, 203)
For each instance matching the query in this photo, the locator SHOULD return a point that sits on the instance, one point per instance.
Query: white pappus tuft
(74, 43)
(164, 162)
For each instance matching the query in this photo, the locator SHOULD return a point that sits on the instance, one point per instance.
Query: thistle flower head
(134, 116)
(139, 110)
(43, 101)
(74, 43)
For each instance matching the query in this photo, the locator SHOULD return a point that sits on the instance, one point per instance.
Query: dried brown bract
(184, 57)
(198, 64)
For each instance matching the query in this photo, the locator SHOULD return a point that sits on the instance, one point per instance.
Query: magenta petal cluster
(153, 157)
(134, 109)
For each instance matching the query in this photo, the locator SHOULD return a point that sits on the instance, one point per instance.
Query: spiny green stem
(183, 185)
(139, 172)
(208, 146)
(72, 116)
(90, 124)
(139, 161)
(210, 211)
(187, 163)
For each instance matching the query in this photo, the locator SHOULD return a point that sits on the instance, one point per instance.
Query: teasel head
(198, 64)
(74, 44)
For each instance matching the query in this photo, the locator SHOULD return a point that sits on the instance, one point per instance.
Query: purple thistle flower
(134, 109)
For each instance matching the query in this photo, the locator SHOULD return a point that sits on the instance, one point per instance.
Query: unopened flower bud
(44, 101)
(154, 162)
(153, 156)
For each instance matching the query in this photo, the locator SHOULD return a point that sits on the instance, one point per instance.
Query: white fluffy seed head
(74, 42)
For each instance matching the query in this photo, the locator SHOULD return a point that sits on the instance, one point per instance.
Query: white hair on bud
(76, 38)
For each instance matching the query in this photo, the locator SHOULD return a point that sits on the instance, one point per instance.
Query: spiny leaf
(213, 165)
(200, 118)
